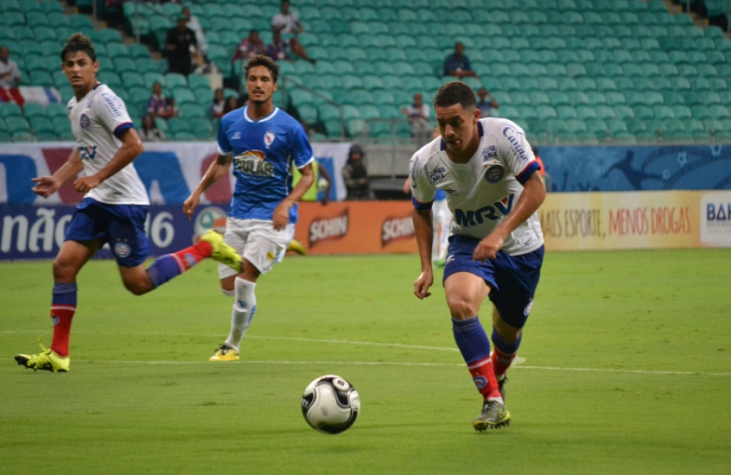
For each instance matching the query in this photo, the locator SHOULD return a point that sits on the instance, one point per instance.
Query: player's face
(457, 126)
(80, 70)
(260, 85)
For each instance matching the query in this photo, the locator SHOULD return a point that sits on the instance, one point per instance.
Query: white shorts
(257, 241)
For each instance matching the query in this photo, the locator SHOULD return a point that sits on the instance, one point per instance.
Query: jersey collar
(264, 119)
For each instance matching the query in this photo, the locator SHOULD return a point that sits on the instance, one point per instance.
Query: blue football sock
(505, 347)
(471, 339)
(164, 269)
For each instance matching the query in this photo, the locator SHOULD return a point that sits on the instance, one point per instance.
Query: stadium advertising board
(636, 220)
(168, 170)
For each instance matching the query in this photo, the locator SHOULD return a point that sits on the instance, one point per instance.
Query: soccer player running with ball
(488, 172)
(263, 143)
(115, 204)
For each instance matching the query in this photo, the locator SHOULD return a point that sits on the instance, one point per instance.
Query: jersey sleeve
(112, 112)
(300, 148)
(515, 151)
(423, 190)
(224, 146)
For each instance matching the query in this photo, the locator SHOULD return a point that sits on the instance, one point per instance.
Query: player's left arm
(131, 148)
(302, 157)
(280, 217)
(534, 193)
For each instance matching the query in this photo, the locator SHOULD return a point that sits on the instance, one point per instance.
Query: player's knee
(138, 288)
(63, 270)
(460, 307)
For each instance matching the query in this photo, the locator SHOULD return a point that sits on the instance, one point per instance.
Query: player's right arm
(422, 196)
(217, 170)
(48, 185)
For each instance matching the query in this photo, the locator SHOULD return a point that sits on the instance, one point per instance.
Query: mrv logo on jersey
(328, 229)
(87, 152)
(253, 162)
(491, 212)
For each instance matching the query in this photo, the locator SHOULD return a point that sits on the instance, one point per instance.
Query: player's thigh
(465, 293)
(517, 279)
(267, 246)
(71, 258)
(235, 235)
(127, 238)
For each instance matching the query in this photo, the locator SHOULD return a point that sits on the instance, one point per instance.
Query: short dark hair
(78, 42)
(267, 62)
(455, 92)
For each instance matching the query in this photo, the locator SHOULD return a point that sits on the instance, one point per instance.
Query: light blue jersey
(263, 152)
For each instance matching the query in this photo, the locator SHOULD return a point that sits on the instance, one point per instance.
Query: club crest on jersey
(269, 138)
(253, 162)
(84, 121)
(494, 174)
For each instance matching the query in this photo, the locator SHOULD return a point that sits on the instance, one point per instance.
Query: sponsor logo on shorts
(480, 382)
(330, 228)
(253, 162)
(122, 249)
(450, 258)
(396, 228)
(55, 320)
(84, 121)
(494, 174)
(269, 138)
(528, 308)
(270, 256)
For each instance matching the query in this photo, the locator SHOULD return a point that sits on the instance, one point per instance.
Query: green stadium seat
(197, 81)
(176, 125)
(718, 84)
(183, 95)
(124, 65)
(109, 78)
(644, 112)
(80, 21)
(56, 110)
(117, 49)
(16, 124)
(644, 84)
(672, 98)
(132, 79)
(624, 112)
(190, 110)
(31, 110)
(175, 80)
(41, 78)
(663, 112)
(42, 126)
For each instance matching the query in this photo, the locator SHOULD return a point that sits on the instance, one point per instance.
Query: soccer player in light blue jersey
(262, 142)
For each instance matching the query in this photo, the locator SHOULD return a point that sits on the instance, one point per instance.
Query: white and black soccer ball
(330, 404)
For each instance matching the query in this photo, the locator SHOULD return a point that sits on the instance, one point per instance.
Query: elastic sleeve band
(122, 127)
(527, 172)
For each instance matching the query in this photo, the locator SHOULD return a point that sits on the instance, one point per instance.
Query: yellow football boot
(222, 252)
(224, 353)
(298, 247)
(47, 360)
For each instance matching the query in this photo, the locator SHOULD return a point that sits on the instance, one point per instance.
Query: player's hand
(45, 186)
(190, 204)
(488, 248)
(325, 200)
(422, 284)
(280, 218)
(87, 183)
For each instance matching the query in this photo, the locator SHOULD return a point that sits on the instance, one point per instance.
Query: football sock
(243, 311)
(172, 265)
(504, 353)
(63, 307)
(475, 348)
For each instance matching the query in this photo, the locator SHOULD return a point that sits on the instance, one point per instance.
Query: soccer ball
(322, 184)
(330, 404)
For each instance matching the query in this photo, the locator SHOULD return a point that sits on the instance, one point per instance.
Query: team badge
(269, 138)
(480, 382)
(84, 121)
(122, 249)
(528, 308)
(494, 173)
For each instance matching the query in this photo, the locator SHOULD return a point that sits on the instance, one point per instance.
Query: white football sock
(243, 311)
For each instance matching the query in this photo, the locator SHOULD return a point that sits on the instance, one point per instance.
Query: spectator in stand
(157, 104)
(231, 104)
(356, 175)
(218, 104)
(171, 109)
(149, 131)
(485, 106)
(9, 72)
(278, 49)
(287, 21)
(250, 47)
(418, 114)
(457, 64)
(195, 26)
(181, 46)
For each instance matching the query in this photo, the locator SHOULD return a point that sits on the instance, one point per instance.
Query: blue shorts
(122, 226)
(513, 279)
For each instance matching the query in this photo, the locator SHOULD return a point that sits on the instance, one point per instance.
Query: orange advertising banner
(356, 227)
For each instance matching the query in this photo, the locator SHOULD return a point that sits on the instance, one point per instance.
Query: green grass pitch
(627, 371)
